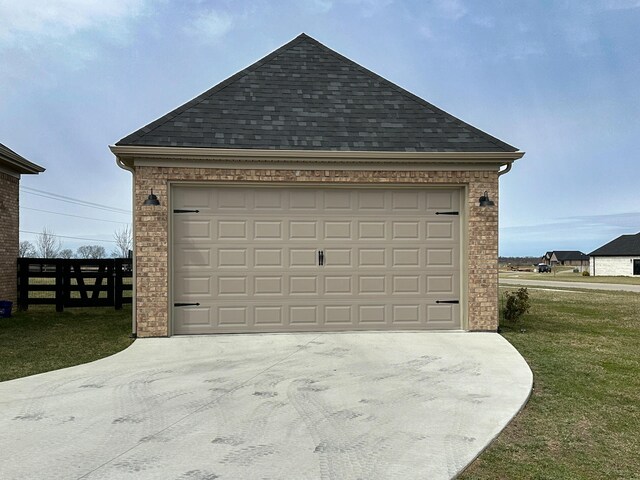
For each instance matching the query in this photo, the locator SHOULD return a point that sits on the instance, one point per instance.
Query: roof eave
(10, 160)
(128, 153)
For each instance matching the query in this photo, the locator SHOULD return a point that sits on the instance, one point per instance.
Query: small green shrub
(585, 273)
(516, 304)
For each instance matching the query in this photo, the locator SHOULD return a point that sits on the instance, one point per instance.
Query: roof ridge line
(496, 141)
(150, 127)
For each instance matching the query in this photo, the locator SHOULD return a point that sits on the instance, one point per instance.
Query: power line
(67, 236)
(76, 216)
(76, 201)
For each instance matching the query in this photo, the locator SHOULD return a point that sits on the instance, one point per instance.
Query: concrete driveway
(288, 406)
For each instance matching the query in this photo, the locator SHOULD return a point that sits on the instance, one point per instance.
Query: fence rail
(74, 282)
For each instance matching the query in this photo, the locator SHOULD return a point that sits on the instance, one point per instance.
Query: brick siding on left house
(9, 236)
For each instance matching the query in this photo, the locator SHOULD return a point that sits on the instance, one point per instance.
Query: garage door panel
(193, 317)
(232, 258)
(268, 230)
(442, 200)
(232, 286)
(268, 258)
(406, 284)
(193, 258)
(271, 286)
(440, 284)
(405, 257)
(269, 315)
(303, 258)
(232, 230)
(371, 230)
(236, 316)
(191, 229)
(407, 201)
(442, 316)
(337, 230)
(440, 230)
(405, 314)
(303, 199)
(405, 230)
(303, 315)
(250, 258)
(303, 230)
(338, 315)
(372, 257)
(338, 285)
(338, 201)
(337, 258)
(303, 285)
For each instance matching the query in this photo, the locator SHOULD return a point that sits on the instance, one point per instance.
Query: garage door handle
(448, 301)
(180, 304)
(320, 257)
(180, 210)
(447, 213)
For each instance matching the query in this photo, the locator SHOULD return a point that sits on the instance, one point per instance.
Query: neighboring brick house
(12, 166)
(571, 258)
(306, 193)
(619, 257)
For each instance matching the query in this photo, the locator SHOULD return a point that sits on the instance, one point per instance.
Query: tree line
(48, 245)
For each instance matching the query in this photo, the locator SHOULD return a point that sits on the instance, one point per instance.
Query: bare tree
(124, 242)
(91, 251)
(47, 244)
(26, 249)
(66, 253)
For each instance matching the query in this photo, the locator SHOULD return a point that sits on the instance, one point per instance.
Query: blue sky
(560, 80)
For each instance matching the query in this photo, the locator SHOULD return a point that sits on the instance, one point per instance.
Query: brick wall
(9, 236)
(151, 226)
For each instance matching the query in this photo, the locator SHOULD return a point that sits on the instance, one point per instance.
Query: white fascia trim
(129, 155)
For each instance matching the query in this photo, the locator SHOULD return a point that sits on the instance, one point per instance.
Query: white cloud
(35, 21)
(210, 25)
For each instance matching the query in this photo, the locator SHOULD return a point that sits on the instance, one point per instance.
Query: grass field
(569, 276)
(583, 418)
(40, 340)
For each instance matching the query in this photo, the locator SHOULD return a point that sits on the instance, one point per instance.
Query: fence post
(60, 290)
(117, 284)
(23, 284)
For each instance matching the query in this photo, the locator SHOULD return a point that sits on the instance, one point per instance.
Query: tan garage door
(267, 259)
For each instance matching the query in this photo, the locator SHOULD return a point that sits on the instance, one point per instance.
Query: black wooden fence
(74, 282)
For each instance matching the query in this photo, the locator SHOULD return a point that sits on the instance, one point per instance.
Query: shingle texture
(305, 96)
(624, 245)
(570, 255)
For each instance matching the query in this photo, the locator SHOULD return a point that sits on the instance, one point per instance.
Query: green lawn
(569, 276)
(583, 418)
(40, 340)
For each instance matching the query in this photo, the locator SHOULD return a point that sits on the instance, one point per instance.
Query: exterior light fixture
(152, 200)
(485, 201)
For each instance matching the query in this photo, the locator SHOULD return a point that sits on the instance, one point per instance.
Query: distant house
(12, 166)
(571, 258)
(619, 257)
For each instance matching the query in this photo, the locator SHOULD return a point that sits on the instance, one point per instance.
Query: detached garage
(306, 193)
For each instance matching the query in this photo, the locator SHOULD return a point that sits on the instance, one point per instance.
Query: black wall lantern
(152, 200)
(485, 201)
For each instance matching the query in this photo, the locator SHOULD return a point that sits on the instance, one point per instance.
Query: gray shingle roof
(624, 245)
(17, 163)
(569, 255)
(305, 96)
